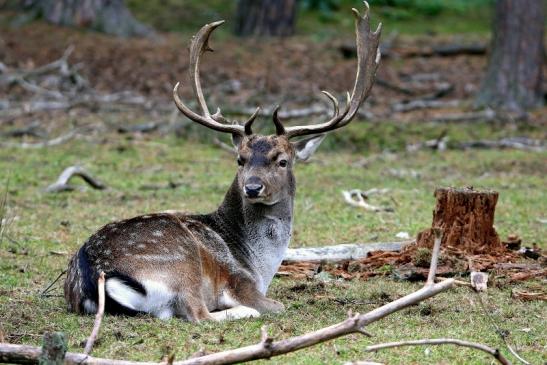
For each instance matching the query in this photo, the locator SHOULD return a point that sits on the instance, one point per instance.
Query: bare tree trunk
(108, 16)
(514, 75)
(265, 17)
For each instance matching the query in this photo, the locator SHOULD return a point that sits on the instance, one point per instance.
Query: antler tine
(249, 123)
(334, 102)
(198, 46)
(368, 59)
(279, 128)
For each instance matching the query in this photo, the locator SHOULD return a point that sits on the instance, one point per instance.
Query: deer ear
(307, 146)
(236, 140)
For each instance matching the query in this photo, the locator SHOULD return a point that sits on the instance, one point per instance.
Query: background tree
(108, 16)
(514, 75)
(265, 17)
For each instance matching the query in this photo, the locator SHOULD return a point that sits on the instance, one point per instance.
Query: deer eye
(283, 163)
(240, 161)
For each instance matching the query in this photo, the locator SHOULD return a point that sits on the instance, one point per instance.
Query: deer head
(265, 162)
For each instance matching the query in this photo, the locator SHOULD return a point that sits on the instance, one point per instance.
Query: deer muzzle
(254, 187)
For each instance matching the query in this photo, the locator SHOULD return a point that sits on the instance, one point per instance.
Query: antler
(200, 44)
(368, 59)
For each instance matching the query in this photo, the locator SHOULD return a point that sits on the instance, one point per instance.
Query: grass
(47, 228)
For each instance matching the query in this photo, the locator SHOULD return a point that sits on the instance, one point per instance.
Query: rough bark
(107, 16)
(265, 18)
(467, 219)
(514, 75)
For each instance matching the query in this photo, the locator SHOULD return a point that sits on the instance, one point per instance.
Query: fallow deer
(217, 265)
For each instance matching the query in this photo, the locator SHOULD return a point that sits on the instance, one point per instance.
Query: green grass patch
(48, 228)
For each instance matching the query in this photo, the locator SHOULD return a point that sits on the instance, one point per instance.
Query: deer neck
(257, 234)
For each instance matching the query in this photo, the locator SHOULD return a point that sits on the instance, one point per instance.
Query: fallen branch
(485, 115)
(357, 198)
(442, 341)
(519, 143)
(439, 143)
(32, 130)
(57, 65)
(523, 295)
(49, 143)
(417, 104)
(98, 317)
(62, 182)
(341, 252)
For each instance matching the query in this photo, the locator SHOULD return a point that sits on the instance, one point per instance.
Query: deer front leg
(245, 292)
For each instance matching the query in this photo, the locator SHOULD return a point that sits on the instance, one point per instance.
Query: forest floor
(148, 172)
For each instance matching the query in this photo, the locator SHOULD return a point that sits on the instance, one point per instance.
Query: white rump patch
(158, 300)
(234, 313)
(123, 294)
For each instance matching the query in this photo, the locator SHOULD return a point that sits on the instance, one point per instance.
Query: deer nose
(253, 187)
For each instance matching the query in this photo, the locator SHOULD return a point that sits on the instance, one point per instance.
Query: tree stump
(467, 219)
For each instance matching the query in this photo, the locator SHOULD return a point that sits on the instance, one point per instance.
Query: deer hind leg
(191, 307)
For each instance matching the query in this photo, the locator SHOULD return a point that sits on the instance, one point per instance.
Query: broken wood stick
(434, 256)
(528, 296)
(62, 182)
(442, 341)
(49, 143)
(98, 317)
(341, 252)
(519, 143)
(357, 198)
(418, 104)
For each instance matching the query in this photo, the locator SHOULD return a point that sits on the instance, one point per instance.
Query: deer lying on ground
(218, 265)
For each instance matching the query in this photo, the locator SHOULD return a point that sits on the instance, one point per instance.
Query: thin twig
(62, 181)
(98, 317)
(46, 290)
(442, 341)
